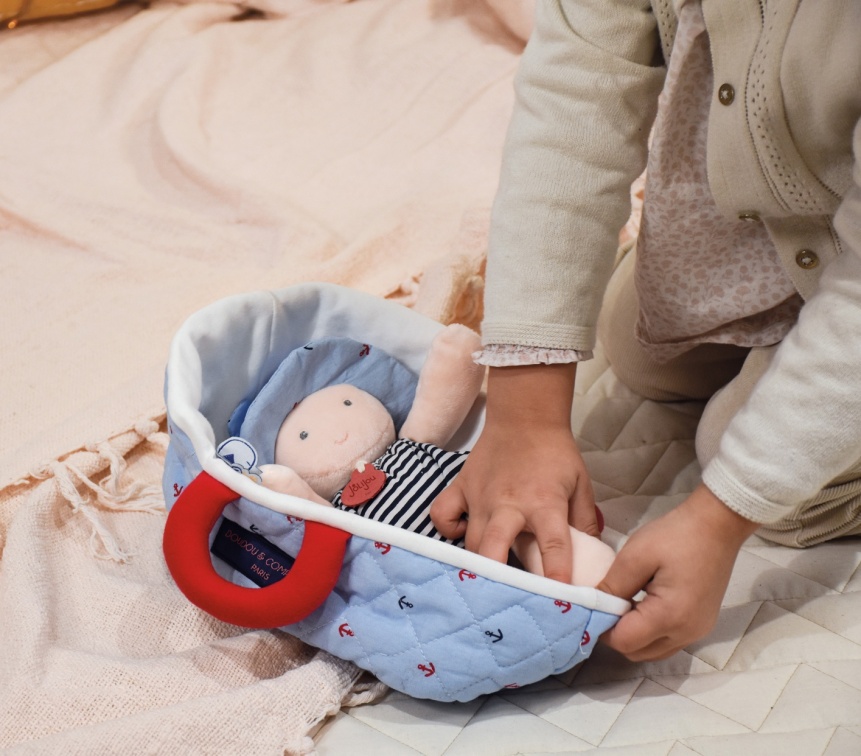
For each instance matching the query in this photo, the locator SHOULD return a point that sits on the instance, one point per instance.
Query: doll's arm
(448, 385)
(286, 480)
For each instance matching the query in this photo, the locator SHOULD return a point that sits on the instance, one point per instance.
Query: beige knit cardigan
(786, 101)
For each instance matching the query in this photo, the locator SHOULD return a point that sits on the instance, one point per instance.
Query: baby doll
(338, 447)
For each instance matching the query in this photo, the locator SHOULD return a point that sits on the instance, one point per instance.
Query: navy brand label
(251, 554)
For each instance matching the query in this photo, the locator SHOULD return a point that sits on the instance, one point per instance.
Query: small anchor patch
(497, 636)
(403, 603)
(428, 669)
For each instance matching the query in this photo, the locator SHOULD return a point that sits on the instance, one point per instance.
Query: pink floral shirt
(700, 276)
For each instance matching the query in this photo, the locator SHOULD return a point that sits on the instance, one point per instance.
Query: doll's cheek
(318, 457)
(303, 457)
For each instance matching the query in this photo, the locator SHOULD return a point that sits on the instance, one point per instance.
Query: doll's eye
(303, 435)
(348, 402)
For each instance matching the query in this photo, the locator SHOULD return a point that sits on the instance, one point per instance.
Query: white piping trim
(446, 553)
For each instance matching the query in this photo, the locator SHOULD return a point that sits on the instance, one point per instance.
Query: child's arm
(525, 472)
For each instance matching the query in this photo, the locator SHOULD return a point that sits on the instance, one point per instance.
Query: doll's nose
(343, 440)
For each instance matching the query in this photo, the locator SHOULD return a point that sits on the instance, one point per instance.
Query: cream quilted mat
(780, 674)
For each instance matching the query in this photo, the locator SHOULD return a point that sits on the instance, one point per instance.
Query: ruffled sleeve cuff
(516, 355)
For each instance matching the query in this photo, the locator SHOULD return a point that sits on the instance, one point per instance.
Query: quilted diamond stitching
(371, 656)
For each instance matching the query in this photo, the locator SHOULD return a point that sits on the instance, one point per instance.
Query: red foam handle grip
(294, 597)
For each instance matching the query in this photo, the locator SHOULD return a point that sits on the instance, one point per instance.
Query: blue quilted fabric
(429, 629)
(435, 631)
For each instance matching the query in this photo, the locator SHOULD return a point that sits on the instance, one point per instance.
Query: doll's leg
(592, 557)
(697, 374)
(834, 512)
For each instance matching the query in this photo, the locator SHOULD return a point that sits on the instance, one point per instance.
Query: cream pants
(723, 375)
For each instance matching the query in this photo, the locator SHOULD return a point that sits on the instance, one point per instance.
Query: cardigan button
(726, 94)
(751, 216)
(807, 259)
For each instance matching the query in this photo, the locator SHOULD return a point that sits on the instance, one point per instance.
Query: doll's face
(329, 431)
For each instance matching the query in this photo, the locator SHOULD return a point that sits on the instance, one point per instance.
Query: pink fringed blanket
(155, 160)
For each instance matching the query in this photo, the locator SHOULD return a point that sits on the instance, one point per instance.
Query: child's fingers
(584, 516)
(662, 648)
(627, 576)
(448, 510)
(554, 542)
(639, 637)
(495, 538)
(633, 568)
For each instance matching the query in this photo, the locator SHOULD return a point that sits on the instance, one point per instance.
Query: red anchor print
(345, 630)
(466, 575)
(428, 669)
(177, 489)
(366, 350)
(512, 685)
(586, 638)
(384, 547)
(291, 519)
(565, 605)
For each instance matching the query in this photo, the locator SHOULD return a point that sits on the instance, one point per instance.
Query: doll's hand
(286, 480)
(683, 560)
(525, 472)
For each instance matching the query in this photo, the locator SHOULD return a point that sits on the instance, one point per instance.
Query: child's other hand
(525, 472)
(683, 560)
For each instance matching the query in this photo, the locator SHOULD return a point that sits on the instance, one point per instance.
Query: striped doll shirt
(415, 475)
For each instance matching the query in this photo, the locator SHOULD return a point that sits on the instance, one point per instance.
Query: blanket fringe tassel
(366, 690)
(110, 493)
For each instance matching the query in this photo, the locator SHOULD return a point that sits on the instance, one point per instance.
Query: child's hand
(683, 560)
(525, 472)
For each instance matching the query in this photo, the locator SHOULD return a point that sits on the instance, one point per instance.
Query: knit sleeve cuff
(739, 497)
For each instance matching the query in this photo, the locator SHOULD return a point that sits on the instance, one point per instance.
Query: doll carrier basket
(426, 617)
